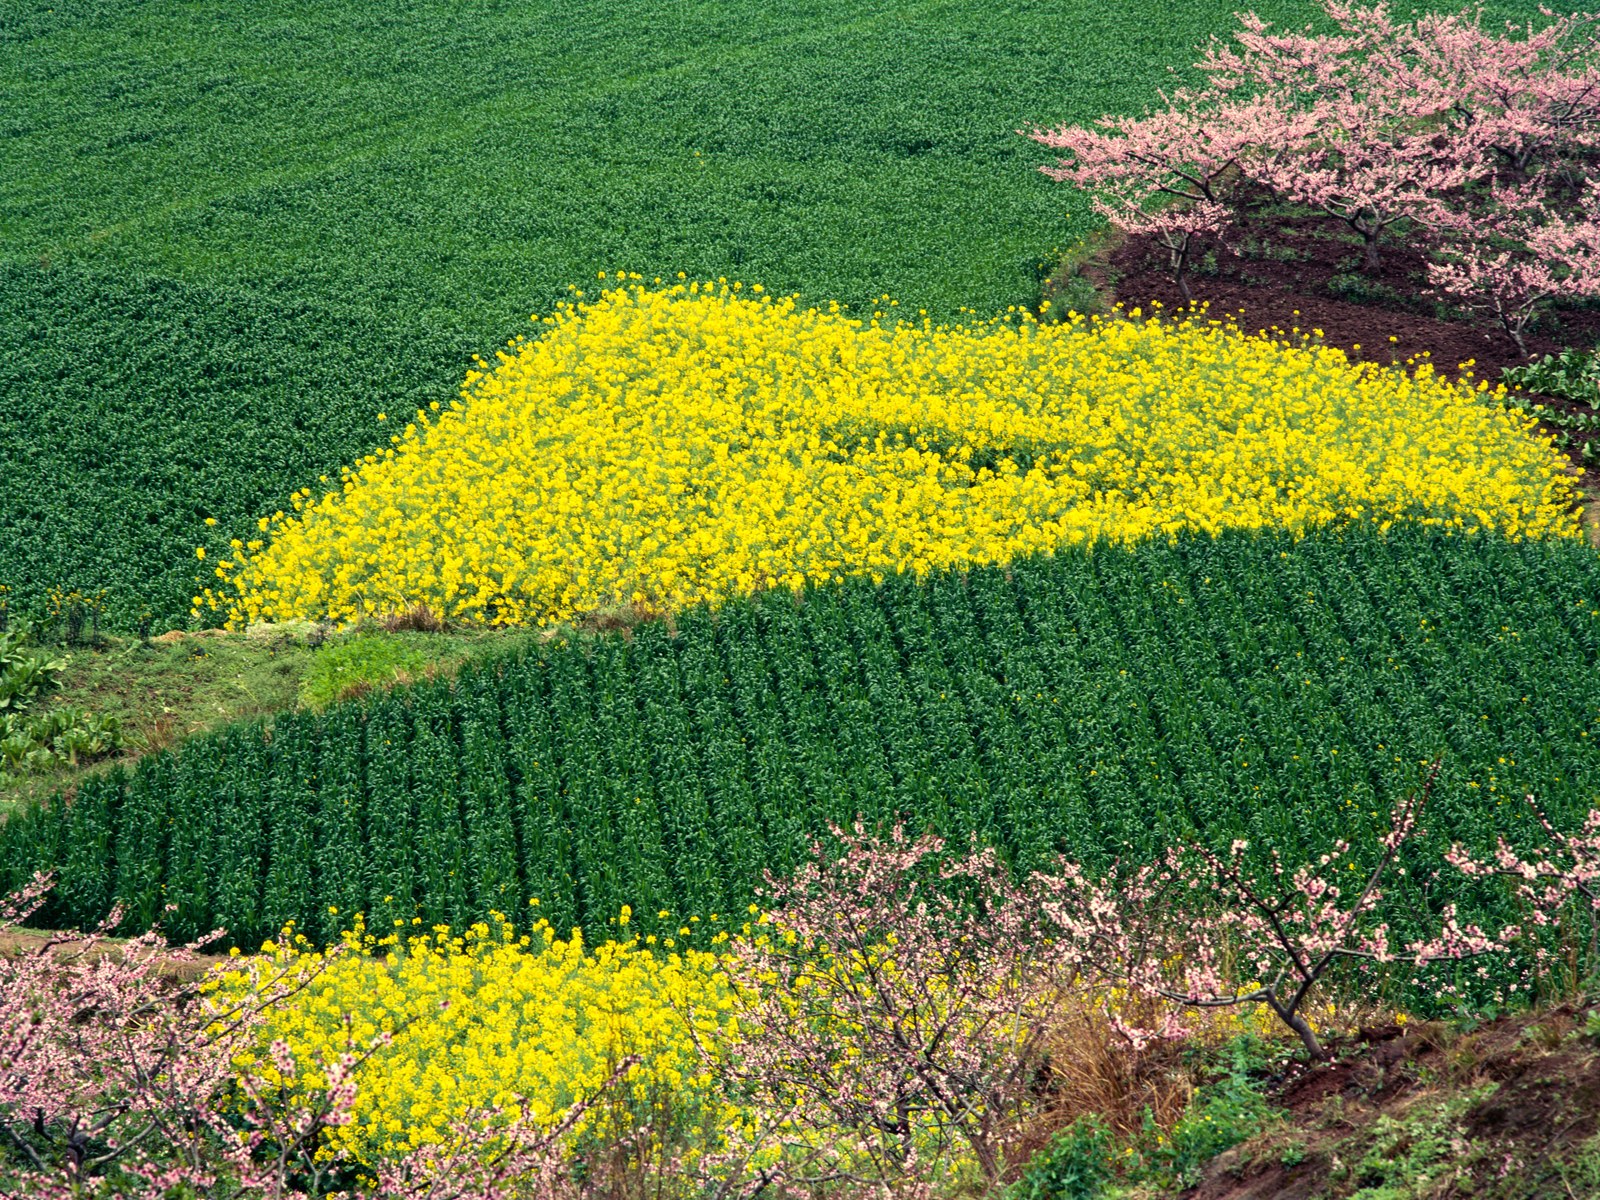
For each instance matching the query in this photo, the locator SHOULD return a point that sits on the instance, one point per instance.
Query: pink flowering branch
(1378, 149)
(1531, 95)
(1179, 228)
(759, 1154)
(1170, 175)
(495, 1154)
(892, 995)
(1515, 255)
(283, 1119)
(117, 1078)
(1369, 180)
(115, 1068)
(1561, 875)
(1201, 930)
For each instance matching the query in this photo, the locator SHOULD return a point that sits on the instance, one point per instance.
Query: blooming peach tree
(120, 1073)
(1201, 929)
(1481, 141)
(1531, 96)
(1372, 148)
(894, 996)
(1513, 256)
(1171, 174)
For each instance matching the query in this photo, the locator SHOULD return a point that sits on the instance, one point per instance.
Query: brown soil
(183, 968)
(1302, 273)
(1526, 1096)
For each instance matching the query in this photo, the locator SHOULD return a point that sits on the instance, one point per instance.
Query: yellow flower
(485, 1016)
(660, 447)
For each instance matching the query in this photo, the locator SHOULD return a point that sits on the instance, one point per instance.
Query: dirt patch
(173, 636)
(1509, 1110)
(1301, 273)
(184, 968)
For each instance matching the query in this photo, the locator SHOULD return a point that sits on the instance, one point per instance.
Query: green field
(230, 236)
(543, 662)
(1090, 703)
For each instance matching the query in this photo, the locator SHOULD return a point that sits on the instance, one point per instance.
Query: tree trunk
(1180, 260)
(1369, 258)
(1308, 1038)
(1289, 1014)
(1514, 332)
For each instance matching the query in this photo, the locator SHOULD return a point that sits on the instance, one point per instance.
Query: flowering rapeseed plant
(664, 446)
(488, 1018)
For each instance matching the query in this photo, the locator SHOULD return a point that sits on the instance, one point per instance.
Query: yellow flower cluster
(488, 1019)
(667, 445)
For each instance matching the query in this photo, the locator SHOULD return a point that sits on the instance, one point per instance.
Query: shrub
(1076, 1165)
(1227, 1110)
(346, 668)
(1082, 1161)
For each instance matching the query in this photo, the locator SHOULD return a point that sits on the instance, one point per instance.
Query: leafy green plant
(1076, 1165)
(35, 742)
(1410, 1156)
(20, 751)
(1572, 375)
(62, 735)
(1566, 422)
(345, 668)
(1223, 1113)
(1581, 1175)
(24, 674)
(1360, 289)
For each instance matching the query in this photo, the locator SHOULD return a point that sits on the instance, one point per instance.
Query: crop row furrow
(1095, 703)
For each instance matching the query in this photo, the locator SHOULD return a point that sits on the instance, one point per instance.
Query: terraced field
(1092, 703)
(550, 644)
(228, 241)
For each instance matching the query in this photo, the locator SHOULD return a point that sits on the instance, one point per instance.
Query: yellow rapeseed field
(490, 1019)
(664, 445)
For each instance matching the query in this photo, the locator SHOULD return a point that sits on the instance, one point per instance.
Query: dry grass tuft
(419, 618)
(625, 618)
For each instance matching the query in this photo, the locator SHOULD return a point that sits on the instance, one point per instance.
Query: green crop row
(133, 409)
(1089, 703)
